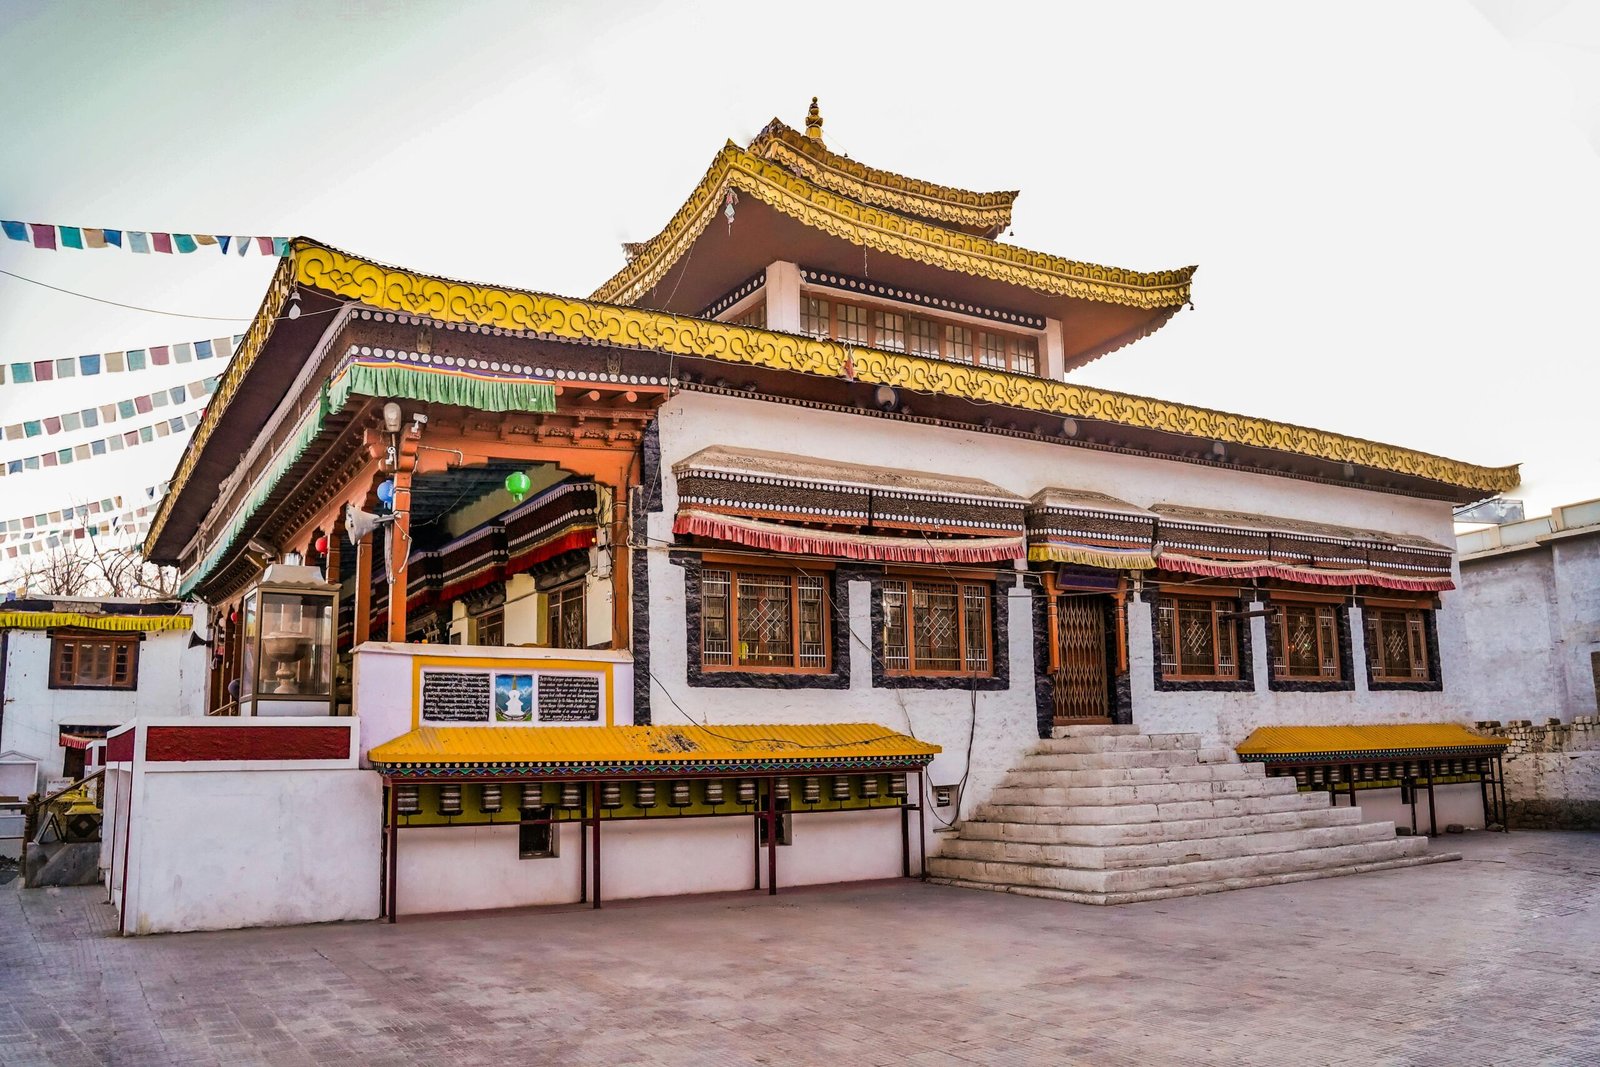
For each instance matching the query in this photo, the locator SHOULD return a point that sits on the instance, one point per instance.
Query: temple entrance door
(1082, 673)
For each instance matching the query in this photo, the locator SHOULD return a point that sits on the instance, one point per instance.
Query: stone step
(1167, 853)
(1120, 743)
(1151, 832)
(1197, 888)
(1140, 879)
(1220, 806)
(1152, 793)
(1104, 776)
(1095, 730)
(1089, 761)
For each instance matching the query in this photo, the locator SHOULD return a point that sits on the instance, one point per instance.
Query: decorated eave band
(986, 213)
(882, 230)
(830, 509)
(678, 768)
(377, 289)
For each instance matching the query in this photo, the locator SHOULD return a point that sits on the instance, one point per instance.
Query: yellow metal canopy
(652, 749)
(52, 620)
(1391, 739)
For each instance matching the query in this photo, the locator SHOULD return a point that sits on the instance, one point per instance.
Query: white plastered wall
(1006, 724)
(171, 681)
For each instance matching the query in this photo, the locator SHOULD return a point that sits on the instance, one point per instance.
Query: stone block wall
(1552, 773)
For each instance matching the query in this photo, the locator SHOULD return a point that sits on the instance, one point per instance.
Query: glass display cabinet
(288, 653)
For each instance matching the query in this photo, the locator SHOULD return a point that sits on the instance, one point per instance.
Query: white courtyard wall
(219, 850)
(1531, 620)
(448, 869)
(1006, 724)
(171, 681)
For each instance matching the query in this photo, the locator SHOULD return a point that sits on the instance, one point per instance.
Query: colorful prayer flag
(21, 373)
(138, 241)
(44, 235)
(204, 239)
(71, 237)
(266, 246)
(17, 231)
(94, 238)
(184, 242)
(223, 240)
(161, 242)
(113, 237)
(158, 355)
(241, 245)
(280, 247)
(90, 364)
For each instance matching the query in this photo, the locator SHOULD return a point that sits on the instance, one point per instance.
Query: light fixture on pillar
(386, 492)
(294, 305)
(391, 417)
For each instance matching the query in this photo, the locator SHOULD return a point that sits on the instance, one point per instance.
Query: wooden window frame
(495, 616)
(1415, 621)
(963, 585)
(557, 598)
(1278, 641)
(1017, 347)
(1218, 606)
(60, 643)
(735, 571)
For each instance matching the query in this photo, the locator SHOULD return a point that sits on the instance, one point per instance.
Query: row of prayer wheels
(1383, 771)
(678, 793)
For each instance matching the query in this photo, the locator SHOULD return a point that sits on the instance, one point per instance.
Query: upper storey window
(893, 331)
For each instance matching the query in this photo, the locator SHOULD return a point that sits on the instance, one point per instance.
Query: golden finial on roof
(814, 121)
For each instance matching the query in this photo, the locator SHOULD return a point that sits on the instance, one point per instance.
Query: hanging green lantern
(518, 484)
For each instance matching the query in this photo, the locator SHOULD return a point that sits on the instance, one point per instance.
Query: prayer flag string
(53, 237)
(45, 370)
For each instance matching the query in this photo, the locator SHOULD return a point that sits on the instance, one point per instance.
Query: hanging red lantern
(322, 544)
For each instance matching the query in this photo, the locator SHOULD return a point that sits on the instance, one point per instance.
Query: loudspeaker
(359, 524)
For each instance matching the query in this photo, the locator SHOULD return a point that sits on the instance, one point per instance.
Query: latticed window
(1303, 641)
(925, 337)
(816, 317)
(763, 620)
(932, 627)
(958, 344)
(80, 661)
(890, 330)
(1198, 641)
(991, 349)
(490, 628)
(564, 616)
(853, 324)
(1025, 355)
(1397, 645)
(754, 315)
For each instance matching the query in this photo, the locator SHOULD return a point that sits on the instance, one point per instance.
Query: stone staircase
(1107, 815)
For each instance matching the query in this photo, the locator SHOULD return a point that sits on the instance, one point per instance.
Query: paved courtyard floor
(1493, 960)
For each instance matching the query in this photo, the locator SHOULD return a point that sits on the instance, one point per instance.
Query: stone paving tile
(1487, 961)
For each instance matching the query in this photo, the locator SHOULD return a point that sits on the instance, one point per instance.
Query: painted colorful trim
(1256, 568)
(51, 620)
(469, 383)
(624, 768)
(1489, 747)
(846, 283)
(1107, 559)
(797, 540)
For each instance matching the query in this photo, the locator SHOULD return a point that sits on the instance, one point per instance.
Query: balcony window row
(1199, 640)
(764, 620)
(893, 331)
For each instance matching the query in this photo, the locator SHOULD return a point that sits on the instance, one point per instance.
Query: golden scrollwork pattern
(386, 288)
(391, 289)
(884, 231)
(805, 156)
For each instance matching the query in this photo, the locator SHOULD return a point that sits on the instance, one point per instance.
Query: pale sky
(1393, 206)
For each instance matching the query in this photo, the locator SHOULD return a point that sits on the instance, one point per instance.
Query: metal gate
(1082, 686)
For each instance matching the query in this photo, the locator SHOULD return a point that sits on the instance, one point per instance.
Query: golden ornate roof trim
(885, 231)
(391, 289)
(244, 358)
(811, 159)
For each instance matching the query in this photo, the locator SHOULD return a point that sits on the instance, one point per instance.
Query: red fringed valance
(777, 537)
(567, 542)
(1172, 561)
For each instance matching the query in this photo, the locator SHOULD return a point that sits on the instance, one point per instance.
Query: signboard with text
(510, 695)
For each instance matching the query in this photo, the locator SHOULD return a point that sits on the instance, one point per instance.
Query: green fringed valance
(440, 385)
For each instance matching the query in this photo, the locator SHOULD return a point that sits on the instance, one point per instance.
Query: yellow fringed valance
(51, 620)
(1083, 557)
